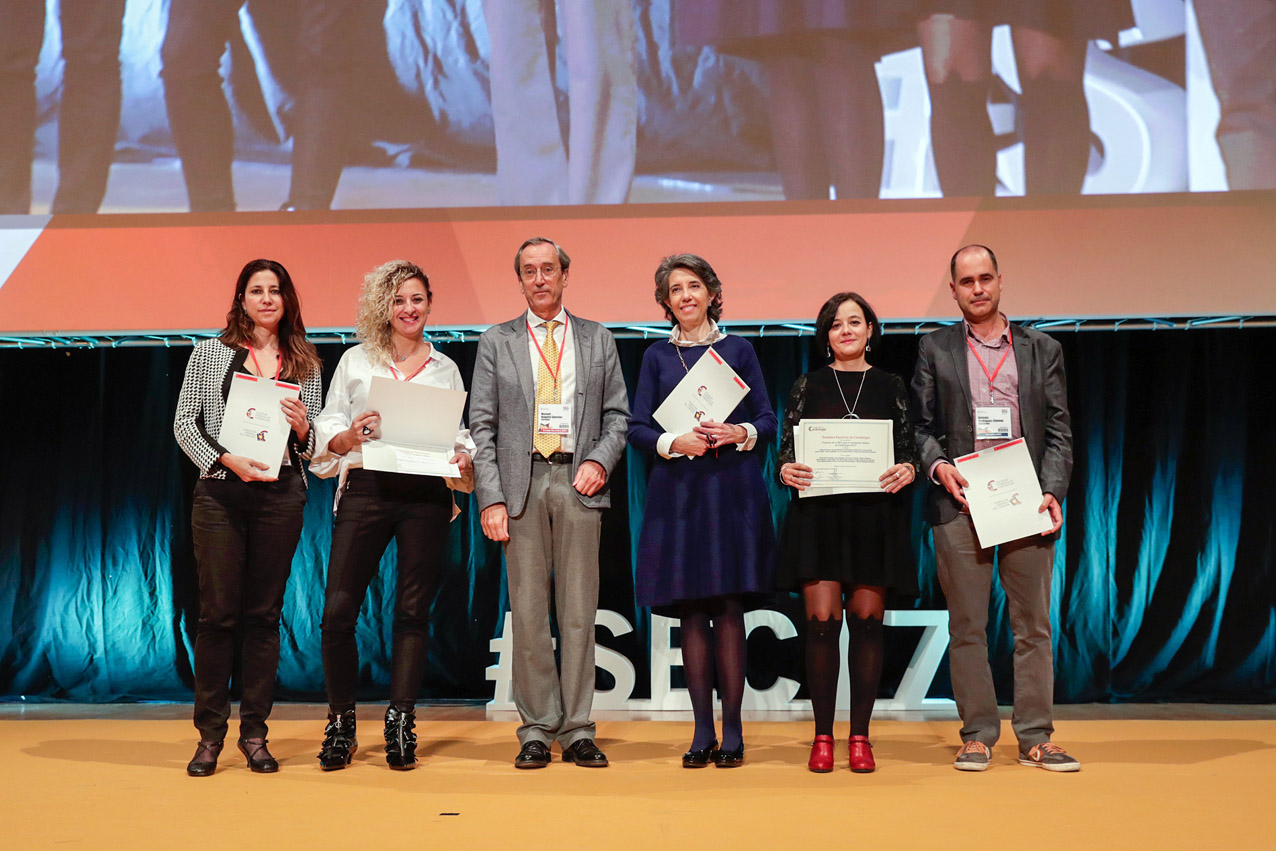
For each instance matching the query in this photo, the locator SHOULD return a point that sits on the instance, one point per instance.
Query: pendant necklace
(850, 409)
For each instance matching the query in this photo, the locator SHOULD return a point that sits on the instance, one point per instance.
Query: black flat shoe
(204, 762)
(585, 753)
(700, 758)
(729, 759)
(259, 759)
(339, 742)
(400, 741)
(534, 754)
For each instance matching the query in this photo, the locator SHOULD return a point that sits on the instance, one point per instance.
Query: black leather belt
(554, 457)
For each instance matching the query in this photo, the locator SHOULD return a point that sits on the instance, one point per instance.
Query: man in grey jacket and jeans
(548, 414)
(977, 384)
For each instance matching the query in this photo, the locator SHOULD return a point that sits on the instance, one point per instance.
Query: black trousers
(198, 31)
(89, 117)
(375, 507)
(245, 534)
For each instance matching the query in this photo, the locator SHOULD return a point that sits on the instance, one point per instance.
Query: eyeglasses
(548, 272)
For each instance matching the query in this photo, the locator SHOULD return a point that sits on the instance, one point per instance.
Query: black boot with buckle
(400, 741)
(339, 742)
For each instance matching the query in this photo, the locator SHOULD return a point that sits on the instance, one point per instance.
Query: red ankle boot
(861, 754)
(821, 760)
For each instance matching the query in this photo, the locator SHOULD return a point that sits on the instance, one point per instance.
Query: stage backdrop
(1173, 255)
(1163, 590)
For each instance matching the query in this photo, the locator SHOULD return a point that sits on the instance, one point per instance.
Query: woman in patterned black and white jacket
(245, 524)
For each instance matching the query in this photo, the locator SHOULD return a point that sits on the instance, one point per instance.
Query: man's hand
(1049, 503)
(496, 522)
(954, 482)
(590, 478)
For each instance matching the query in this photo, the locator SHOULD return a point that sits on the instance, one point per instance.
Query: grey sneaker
(973, 756)
(1049, 756)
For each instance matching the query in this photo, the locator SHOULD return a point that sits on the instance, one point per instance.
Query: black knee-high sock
(823, 662)
(697, 667)
(1056, 136)
(962, 138)
(864, 664)
(729, 646)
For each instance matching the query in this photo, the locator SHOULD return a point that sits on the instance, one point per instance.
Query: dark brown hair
(298, 358)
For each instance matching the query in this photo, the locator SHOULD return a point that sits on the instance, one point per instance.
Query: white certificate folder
(1004, 493)
(254, 424)
(710, 390)
(848, 456)
(418, 428)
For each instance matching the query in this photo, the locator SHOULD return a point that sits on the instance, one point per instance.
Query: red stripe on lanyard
(414, 374)
(278, 361)
(553, 372)
(993, 376)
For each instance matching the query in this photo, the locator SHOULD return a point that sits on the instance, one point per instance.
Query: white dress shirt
(567, 378)
(348, 397)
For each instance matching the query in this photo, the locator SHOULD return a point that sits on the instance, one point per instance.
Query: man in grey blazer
(977, 384)
(548, 414)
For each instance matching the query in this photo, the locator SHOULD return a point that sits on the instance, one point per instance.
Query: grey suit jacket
(942, 409)
(503, 396)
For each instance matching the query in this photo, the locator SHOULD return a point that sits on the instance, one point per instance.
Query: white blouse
(348, 397)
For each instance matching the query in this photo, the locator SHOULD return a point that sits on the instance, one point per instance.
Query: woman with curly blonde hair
(373, 507)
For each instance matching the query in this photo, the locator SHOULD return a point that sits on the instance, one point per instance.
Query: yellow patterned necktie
(548, 391)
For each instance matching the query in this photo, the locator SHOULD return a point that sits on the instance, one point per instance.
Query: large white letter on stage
(910, 695)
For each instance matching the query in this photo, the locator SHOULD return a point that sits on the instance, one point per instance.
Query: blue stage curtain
(1163, 576)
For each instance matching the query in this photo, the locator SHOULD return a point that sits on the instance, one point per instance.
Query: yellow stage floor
(112, 783)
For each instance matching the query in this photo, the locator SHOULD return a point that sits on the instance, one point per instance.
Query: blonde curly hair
(379, 288)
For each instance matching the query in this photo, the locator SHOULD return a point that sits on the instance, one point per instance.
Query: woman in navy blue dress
(707, 535)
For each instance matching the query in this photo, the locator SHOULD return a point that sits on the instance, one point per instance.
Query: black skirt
(855, 539)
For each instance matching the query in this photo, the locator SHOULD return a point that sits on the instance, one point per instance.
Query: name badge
(992, 423)
(553, 419)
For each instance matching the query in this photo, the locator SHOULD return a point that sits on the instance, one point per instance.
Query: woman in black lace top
(845, 551)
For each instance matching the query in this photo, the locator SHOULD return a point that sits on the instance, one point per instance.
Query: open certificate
(709, 391)
(254, 424)
(418, 428)
(848, 456)
(1004, 493)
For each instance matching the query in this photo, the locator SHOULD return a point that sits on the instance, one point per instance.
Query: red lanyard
(278, 361)
(993, 375)
(414, 374)
(553, 372)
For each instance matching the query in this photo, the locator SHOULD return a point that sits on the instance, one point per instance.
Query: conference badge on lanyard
(552, 418)
(992, 422)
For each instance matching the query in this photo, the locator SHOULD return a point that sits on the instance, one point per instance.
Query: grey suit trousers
(554, 540)
(965, 573)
